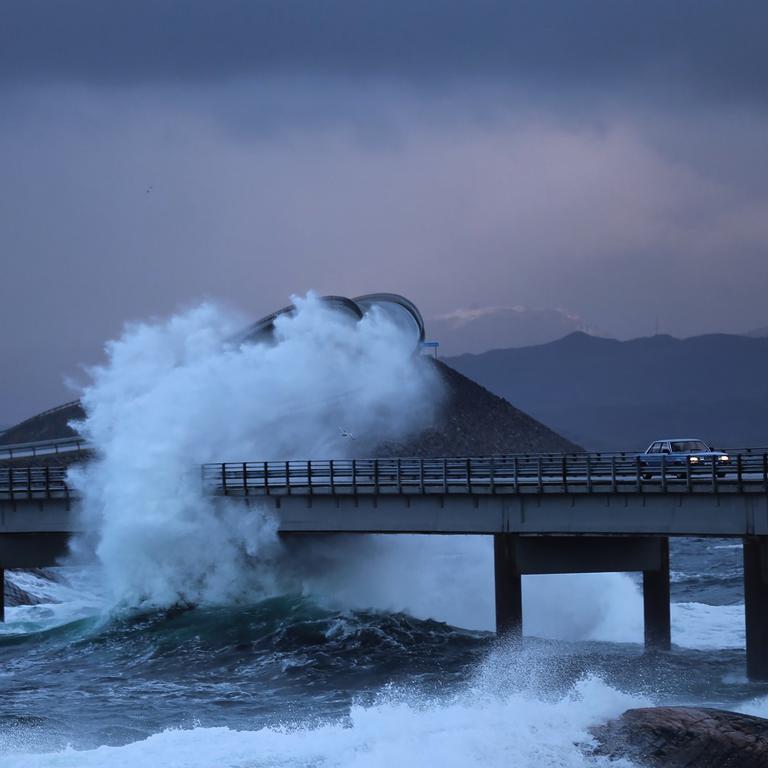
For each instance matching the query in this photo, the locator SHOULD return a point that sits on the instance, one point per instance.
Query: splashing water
(175, 395)
(500, 718)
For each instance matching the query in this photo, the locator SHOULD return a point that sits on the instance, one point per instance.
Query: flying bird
(345, 433)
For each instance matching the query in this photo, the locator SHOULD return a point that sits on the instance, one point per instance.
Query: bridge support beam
(508, 582)
(656, 608)
(756, 605)
(33, 550)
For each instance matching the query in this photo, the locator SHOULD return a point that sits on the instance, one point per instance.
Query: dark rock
(17, 596)
(685, 737)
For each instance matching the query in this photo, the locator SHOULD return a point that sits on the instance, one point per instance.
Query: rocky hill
(472, 422)
(475, 422)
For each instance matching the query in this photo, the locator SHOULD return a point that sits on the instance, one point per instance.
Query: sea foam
(480, 727)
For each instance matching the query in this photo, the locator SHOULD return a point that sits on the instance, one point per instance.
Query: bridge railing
(33, 483)
(66, 445)
(576, 473)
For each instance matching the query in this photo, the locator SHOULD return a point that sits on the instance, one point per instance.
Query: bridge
(548, 513)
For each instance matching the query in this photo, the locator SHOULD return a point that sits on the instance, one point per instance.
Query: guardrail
(577, 473)
(33, 483)
(514, 474)
(64, 445)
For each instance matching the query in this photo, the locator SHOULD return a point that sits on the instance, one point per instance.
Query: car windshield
(689, 446)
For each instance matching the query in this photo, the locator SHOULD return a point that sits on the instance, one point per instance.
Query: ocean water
(292, 680)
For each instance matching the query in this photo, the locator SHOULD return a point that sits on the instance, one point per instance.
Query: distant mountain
(758, 333)
(606, 394)
(480, 329)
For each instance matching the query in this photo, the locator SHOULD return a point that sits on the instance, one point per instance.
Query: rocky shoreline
(15, 595)
(685, 737)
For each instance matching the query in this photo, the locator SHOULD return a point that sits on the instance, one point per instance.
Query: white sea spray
(176, 394)
(483, 725)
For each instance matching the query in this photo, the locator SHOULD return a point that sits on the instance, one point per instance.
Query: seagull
(345, 433)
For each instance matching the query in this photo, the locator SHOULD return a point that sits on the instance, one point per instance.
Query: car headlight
(724, 457)
(694, 459)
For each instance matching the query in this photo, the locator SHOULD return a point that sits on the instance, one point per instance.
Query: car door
(675, 457)
(653, 455)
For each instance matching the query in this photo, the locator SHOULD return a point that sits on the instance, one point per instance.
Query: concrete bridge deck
(588, 494)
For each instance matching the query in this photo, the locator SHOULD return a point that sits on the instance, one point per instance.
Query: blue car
(680, 454)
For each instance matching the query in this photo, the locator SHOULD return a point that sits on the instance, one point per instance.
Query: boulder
(685, 737)
(15, 595)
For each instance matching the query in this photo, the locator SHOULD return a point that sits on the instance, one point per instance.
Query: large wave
(176, 394)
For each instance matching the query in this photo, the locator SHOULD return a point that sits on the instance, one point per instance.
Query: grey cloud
(708, 48)
(284, 153)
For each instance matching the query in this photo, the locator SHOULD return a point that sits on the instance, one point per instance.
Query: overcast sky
(605, 156)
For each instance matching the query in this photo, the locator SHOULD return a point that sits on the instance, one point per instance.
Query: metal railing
(33, 483)
(509, 474)
(515, 474)
(64, 445)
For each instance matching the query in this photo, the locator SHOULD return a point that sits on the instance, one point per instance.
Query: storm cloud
(713, 49)
(606, 157)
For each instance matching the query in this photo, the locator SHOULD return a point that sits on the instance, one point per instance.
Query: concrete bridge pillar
(756, 605)
(508, 581)
(656, 608)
